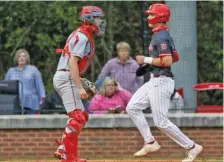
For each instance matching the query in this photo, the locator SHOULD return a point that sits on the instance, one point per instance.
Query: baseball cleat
(148, 148)
(60, 153)
(79, 160)
(193, 153)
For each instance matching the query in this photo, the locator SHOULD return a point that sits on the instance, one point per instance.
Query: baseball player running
(158, 90)
(75, 59)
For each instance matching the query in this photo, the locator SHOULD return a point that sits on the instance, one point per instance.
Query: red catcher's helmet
(87, 15)
(161, 11)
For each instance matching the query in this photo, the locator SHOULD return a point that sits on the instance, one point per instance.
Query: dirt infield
(201, 160)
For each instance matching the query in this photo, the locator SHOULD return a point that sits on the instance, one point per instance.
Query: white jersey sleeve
(78, 45)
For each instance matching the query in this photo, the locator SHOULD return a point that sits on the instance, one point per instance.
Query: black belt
(64, 70)
(159, 76)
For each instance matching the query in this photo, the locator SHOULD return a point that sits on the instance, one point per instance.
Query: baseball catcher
(76, 56)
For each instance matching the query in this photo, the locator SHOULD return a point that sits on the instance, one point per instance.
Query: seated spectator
(32, 92)
(110, 97)
(123, 69)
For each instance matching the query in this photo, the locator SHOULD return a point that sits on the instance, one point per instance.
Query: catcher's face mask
(92, 15)
(101, 25)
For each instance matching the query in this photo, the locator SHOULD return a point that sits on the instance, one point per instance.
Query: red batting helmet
(161, 11)
(87, 15)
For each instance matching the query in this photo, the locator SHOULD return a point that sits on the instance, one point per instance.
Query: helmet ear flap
(161, 16)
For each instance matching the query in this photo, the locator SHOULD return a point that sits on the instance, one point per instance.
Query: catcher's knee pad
(77, 120)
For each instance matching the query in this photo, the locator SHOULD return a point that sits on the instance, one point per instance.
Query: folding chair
(208, 108)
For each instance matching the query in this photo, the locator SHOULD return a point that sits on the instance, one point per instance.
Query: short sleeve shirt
(161, 45)
(79, 46)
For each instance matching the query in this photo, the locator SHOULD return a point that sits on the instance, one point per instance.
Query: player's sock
(192, 147)
(150, 142)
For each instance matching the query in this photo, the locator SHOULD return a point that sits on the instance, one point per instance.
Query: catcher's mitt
(89, 87)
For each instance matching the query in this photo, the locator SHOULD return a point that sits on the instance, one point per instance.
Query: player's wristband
(148, 60)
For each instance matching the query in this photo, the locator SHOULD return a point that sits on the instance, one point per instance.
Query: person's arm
(46, 107)
(74, 70)
(94, 105)
(8, 75)
(139, 80)
(77, 47)
(126, 96)
(39, 85)
(165, 56)
(105, 71)
(162, 61)
(73, 66)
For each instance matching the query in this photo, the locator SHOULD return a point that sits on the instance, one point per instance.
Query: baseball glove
(89, 87)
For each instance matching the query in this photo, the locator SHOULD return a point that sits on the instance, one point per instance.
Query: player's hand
(140, 59)
(82, 93)
(42, 100)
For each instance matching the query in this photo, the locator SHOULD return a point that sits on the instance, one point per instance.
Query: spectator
(32, 92)
(123, 69)
(110, 98)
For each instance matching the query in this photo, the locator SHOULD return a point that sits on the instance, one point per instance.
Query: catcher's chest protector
(86, 60)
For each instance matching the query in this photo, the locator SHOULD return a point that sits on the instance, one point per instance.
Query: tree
(210, 46)
(41, 27)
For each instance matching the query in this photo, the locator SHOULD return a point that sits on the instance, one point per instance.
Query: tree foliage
(210, 46)
(41, 27)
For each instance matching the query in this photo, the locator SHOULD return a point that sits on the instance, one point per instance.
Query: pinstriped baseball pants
(156, 92)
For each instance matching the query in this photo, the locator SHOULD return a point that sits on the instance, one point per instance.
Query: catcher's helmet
(87, 15)
(161, 11)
